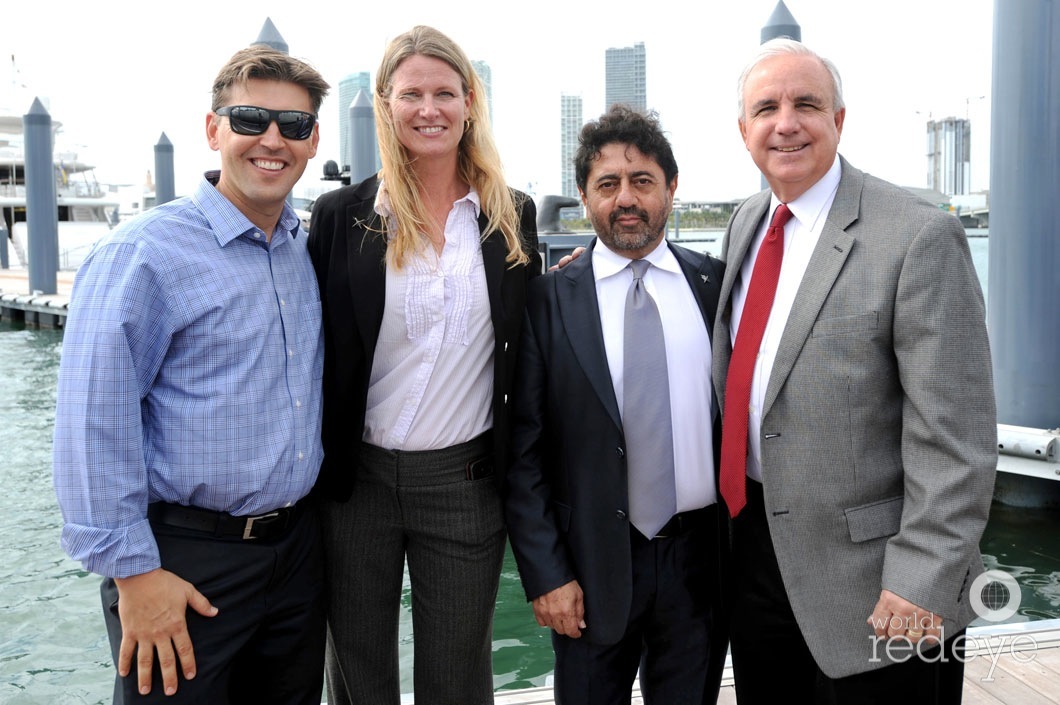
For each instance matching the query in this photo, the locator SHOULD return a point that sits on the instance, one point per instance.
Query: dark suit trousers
(771, 662)
(266, 643)
(419, 508)
(668, 632)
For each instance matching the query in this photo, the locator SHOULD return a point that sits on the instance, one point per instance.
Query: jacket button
(620, 514)
(620, 451)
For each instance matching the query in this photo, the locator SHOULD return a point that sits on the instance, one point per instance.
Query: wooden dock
(1006, 665)
(18, 303)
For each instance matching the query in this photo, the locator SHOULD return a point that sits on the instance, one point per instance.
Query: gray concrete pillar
(1024, 263)
(42, 210)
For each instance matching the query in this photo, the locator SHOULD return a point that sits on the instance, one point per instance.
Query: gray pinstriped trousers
(419, 507)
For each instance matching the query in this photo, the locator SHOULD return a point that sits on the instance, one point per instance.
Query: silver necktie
(646, 411)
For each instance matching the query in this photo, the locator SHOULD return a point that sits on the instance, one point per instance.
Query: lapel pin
(705, 278)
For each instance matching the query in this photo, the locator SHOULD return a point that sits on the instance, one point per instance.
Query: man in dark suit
(621, 563)
(860, 465)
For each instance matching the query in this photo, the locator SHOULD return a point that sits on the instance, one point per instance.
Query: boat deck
(1008, 665)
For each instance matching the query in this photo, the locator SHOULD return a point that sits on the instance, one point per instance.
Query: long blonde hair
(478, 162)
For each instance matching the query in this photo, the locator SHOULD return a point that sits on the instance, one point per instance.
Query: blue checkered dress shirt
(190, 373)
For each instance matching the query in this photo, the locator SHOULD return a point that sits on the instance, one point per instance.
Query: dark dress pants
(668, 636)
(771, 662)
(423, 509)
(266, 643)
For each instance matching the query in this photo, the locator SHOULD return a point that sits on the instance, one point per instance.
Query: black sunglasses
(252, 120)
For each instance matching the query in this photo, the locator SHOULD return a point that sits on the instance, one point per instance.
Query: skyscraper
(570, 124)
(348, 88)
(949, 143)
(625, 77)
(486, 74)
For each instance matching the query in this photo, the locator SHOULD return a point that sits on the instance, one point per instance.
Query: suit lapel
(704, 281)
(826, 262)
(366, 263)
(741, 233)
(579, 310)
(494, 250)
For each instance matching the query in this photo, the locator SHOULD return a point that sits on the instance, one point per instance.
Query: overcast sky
(117, 74)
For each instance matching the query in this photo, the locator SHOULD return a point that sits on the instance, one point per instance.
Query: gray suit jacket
(879, 430)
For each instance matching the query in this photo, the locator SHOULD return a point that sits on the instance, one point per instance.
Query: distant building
(949, 148)
(625, 80)
(348, 88)
(486, 74)
(570, 124)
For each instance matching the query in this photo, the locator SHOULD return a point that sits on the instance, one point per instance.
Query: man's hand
(895, 616)
(151, 607)
(562, 610)
(567, 259)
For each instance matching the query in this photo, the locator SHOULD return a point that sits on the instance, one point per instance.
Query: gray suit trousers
(417, 507)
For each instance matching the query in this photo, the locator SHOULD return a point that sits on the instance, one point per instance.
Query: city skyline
(949, 158)
(625, 70)
(147, 80)
(570, 124)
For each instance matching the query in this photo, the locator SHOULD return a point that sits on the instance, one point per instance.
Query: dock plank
(1019, 670)
(974, 695)
(1001, 682)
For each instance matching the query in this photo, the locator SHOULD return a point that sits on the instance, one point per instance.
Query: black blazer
(567, 505)
(348, 253)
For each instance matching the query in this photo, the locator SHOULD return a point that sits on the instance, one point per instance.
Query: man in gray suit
(858, 450)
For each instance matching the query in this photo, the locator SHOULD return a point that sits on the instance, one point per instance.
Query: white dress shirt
(432, 375)
(688, 360)
(809, 213)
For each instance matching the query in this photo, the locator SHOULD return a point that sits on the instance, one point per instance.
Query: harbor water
(53, 647)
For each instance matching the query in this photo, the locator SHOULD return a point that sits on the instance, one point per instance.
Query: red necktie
(753, 320)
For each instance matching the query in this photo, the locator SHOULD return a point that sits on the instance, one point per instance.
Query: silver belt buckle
(250, 524)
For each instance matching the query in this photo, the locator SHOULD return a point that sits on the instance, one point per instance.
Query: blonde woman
(422, 270)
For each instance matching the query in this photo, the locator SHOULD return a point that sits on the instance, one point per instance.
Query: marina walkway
(1006, 665)
(17, 302)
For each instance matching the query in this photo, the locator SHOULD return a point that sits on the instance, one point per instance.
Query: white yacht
(86, 210)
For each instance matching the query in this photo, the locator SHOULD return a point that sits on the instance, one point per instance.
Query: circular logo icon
(995, 596)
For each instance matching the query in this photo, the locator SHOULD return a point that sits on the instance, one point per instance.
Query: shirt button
(283, 302)
(290, 353)
(301, 455)
(298, 403)
(257, 234)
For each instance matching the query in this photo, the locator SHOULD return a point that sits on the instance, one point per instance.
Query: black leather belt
(270, 525)
(686, 521)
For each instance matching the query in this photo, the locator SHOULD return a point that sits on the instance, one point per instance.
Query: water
(53, 647)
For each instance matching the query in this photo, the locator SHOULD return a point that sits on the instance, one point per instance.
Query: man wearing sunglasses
(187, 431)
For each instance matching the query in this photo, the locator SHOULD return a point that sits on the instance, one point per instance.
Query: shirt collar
(812, 205)
(383, 209)
(607, 263)
(228, 222)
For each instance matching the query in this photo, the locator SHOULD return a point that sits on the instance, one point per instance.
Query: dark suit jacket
(567, 505)
(348, 253)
